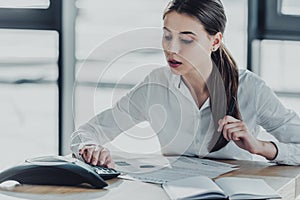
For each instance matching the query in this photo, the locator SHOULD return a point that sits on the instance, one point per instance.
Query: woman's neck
(198, 88)
(196, 82)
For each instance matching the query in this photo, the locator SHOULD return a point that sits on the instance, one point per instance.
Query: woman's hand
(236, 130)
(96, 155)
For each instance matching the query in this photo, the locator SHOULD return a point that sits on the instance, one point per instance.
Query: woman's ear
(217, 40)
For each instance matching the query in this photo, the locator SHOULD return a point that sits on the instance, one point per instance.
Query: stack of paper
(177, 168)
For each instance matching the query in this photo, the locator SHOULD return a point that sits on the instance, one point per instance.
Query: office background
(30, 102)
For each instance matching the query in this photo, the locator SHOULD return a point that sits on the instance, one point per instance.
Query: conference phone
(58, 170)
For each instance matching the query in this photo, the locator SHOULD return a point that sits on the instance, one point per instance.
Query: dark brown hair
(224, 76)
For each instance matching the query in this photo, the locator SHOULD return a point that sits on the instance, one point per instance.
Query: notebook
(201, 187)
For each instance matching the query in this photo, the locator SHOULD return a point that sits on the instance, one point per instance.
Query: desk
(284, 179)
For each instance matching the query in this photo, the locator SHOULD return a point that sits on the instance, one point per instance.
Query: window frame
(59, 16)
(37, 19)
(266, 21)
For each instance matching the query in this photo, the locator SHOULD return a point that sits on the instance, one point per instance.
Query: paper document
(173, 168)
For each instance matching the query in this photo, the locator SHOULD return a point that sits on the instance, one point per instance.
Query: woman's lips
(174, 63)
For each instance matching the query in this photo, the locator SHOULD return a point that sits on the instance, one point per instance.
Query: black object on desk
(58, 170)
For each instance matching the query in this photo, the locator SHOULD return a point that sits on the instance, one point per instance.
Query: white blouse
(182, 128)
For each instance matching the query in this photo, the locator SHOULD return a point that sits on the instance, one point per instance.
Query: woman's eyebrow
(166, 29)
(188, 32)
(183, 32)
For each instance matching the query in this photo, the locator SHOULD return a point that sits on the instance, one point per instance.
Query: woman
(201, 104)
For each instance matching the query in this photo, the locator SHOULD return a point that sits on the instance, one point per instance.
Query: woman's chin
(175, 71)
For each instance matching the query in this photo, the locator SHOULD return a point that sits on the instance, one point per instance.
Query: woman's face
(187, 46)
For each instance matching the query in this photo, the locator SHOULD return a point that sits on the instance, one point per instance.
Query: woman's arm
(236, 130)
(104, 127)
(282, 123)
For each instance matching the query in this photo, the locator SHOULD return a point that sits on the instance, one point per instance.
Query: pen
(231, 106)
(221, 142)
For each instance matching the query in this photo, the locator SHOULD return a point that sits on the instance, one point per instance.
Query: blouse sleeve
(282, 123)
(105, 126)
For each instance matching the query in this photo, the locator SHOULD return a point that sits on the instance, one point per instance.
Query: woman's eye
(186, 41)
(168, 37)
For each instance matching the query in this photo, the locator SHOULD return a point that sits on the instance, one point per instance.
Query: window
(273, 42)
(290, 7)
(41, 4)
(30, 55)
(280, 64)
(29, 95)
(235, 36)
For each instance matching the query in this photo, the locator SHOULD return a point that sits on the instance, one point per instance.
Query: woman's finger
(228, 127)
(229, 119)
(221, 124)
(226, 120)
(87, 152)
(232, 131)
(110, 163)
(81, 151)
(225, 128)
(238, 135)
(95, 156)
(104, 155)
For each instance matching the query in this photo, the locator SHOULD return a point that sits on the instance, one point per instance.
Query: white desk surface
(284, 179)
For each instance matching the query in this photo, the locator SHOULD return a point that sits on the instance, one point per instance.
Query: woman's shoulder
(161, 71)
(248, 77)
(161, 74)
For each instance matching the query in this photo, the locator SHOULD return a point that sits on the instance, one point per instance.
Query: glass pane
(290, 7)
(235, 37)
(96, 23)
(27, 54)
(291, 103)
(280, 66)
(29, 111)
(41, 4)
(36, 46)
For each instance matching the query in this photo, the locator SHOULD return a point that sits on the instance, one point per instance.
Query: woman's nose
(174, 47)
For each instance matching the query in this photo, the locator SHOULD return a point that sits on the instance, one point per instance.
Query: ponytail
(224, 77)
(228, 70)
